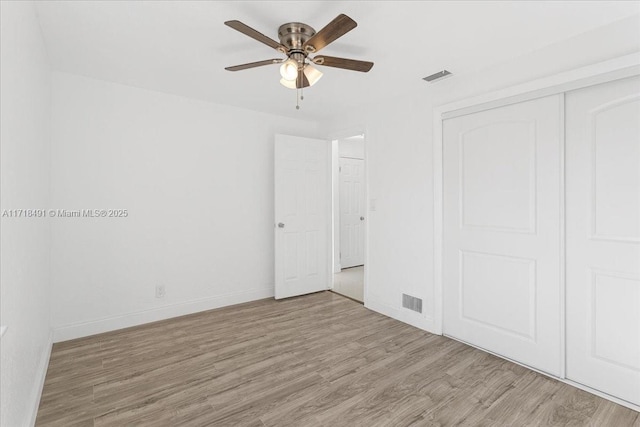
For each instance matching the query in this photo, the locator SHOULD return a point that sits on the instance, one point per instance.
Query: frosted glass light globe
(289, 70)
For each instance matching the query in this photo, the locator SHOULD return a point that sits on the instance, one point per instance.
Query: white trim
(83, 329)
(618, 68)
(438, 221)
(350, 132)
(335, 214)
(42, 375)
(3, 329)
(365, 280)
(329, 197)
(602, 72)
(600, 394)
(561, 243)
(562, 380)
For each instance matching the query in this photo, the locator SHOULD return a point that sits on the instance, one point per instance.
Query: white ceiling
(182, 47)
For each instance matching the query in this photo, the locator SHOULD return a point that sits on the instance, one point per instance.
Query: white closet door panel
(502, 181)
(603, 237)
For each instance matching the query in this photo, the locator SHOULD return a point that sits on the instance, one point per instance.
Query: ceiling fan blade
(247, 30)
(302, 80)
(347, 64)
(253, 64)
(335, 29)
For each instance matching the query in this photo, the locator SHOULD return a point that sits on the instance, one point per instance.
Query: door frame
(334, 137)
(602, 72)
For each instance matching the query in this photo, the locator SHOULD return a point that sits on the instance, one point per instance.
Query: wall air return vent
(412, 303)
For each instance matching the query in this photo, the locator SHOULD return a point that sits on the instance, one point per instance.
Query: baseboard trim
(84, 329)
(42, 375)
(599, 393)
(405, 316)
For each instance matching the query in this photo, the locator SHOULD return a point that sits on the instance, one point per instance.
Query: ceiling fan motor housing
(294, 35)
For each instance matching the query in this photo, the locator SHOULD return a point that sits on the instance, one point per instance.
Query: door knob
(280, 225)
(361, 218)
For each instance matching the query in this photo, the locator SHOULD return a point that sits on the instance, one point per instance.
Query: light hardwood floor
(317, 360)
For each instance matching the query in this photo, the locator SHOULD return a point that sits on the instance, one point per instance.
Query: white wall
(197, 181)
(25, 89)
(400, 164)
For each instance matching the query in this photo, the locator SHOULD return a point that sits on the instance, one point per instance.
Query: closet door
(603, 237)
(502, 193)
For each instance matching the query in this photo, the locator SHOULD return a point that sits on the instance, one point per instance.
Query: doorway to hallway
(349, 216)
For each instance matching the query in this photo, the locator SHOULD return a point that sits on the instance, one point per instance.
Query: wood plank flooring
(317, 360)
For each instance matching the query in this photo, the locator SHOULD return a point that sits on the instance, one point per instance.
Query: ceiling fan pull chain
(301, 94)
(297, 99)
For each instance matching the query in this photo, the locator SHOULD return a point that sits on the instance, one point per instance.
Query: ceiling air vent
(412, 303)
(437, 76)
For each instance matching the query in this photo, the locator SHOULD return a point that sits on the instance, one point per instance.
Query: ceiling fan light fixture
(290, 84)
(289, 70)
(312, 74)
(297, 41)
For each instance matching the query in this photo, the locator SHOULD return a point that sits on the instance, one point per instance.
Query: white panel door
(603, 237)
(302, 195)
(502, 182)
(351, 212)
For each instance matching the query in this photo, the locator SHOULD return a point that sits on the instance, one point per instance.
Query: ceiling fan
(298, 41)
